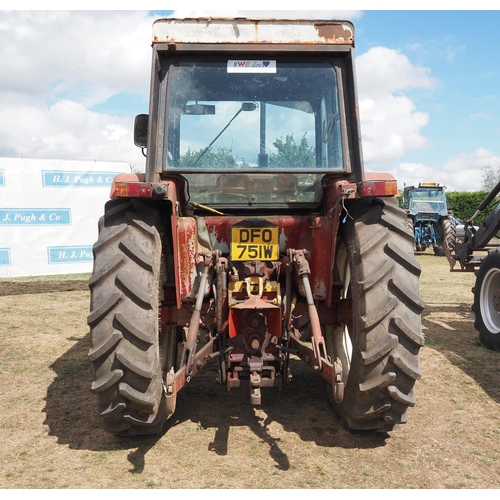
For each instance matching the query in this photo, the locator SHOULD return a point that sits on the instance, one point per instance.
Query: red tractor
(254, 234)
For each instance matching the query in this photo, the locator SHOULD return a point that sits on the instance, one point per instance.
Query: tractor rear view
(254, 234)
(429, 217)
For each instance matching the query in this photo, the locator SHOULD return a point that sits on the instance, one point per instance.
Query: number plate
(254, 243)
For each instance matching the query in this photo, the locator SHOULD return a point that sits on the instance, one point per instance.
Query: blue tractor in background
(428, 217)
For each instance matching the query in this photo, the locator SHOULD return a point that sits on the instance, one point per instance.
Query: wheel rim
(489, 295)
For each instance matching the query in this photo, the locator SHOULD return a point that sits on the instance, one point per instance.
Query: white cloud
(480, 116)
(49, 53)
(382, 71)
(390, 122)
(390, 126)
(463, 172)
(66, 130)
(477, 160)
(56, 65)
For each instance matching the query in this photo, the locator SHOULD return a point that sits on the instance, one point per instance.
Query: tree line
(465, 204)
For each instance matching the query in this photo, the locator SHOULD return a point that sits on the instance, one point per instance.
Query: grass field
(53, 438)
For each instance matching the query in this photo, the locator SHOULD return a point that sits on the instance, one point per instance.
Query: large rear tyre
(379, 345)
(486, 306)
(411, 229)
(410, 226)
(446, 235)
(125, 350)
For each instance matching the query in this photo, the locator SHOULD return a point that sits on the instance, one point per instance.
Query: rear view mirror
(141, 131)
(199, 109)
(248, 106)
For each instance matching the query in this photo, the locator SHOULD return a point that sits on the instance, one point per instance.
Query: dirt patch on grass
(42, 284)
(54, 439)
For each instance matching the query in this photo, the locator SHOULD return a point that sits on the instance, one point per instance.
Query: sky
(72, 81)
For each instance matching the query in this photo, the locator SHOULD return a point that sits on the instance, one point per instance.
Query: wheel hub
(496, 300)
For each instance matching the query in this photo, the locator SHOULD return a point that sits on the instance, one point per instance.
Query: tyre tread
(387, 322)
(124, 319)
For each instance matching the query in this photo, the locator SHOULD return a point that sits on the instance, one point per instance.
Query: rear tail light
(378, 188)
(133, 190)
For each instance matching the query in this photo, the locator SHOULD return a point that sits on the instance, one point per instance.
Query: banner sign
(35, 216)
(62, 178)
(49, 211)
(62, 255)
(4, 257)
